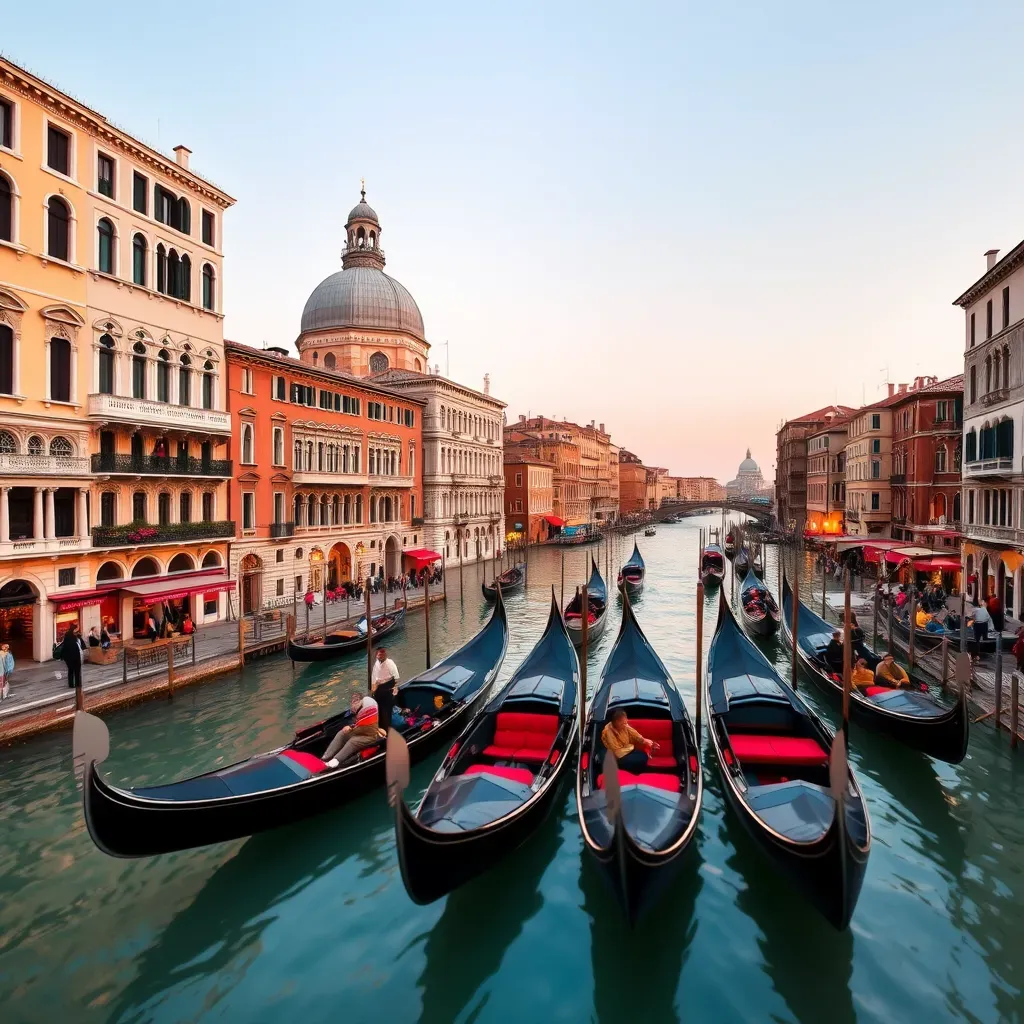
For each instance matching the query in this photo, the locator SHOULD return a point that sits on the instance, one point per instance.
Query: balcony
(51, 546)
(460, 518)
(1006, 534)
(134, 534)
(307, 478)
(384, 480)
(140, 412)
(898, 478)
(282, 529)
(43, 465)
(417, 521)
(995, 397)
(989, 467)
(153, 465)
(495, 480)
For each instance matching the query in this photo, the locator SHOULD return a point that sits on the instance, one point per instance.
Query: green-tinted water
(312, 923)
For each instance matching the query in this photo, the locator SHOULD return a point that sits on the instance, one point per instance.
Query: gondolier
(383, 683)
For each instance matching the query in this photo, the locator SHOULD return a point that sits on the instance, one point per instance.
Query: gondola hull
(632, 586)
(765, 625)
(328, 651)
(596, 628)
(712, 576)
(943, 735)
(511, 587)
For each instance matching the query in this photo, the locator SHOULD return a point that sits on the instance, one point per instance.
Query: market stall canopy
(938, 563)
(873, 550)
(896, 556)
(169, 588)
(421, 557)
(78, 599)
(554, 521)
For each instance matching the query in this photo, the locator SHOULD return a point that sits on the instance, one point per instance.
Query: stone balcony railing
(1009, 534)
(51, 546)
(386, 480)
(989, 467)
(43, 465)
(158, 465)
(141, 412)
(995, 397)
(306, 478)
(282, 529)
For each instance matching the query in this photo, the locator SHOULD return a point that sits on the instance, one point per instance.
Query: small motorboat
(712, 566)
(758, 608)
(511, 580)
(597, 599)
(650, 531)
(342, 641)
(631, 575)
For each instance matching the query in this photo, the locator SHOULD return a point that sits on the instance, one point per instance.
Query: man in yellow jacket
(889, 673)
(626, 745)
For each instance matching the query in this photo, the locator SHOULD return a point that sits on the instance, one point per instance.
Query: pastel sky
(687, 221)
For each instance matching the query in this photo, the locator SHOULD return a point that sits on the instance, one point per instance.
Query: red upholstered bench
(519, 736)
(656, 779)
(310, 762)
(755, 749)
(659, 730)
(523, 775)
(874, 691)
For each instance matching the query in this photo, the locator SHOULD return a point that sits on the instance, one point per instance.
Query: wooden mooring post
(700, 650)
(369, 639)
(426, 612)
(945, 661)
(170, 669)
(999, 679)
(913, 628)
(796, 621)
(241, 641)
(1014, 709)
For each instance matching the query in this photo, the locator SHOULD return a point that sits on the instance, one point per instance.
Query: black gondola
(511, 580)
(730, 546)
(631, 575)
(286, 784)
(597, 598)
(500, 777)
(741, 563)
(639, 847)
(758, 607)
(651, 531)
(712, 566)
(927, 640)
(913, 717)
(343, 641)
(773, 754)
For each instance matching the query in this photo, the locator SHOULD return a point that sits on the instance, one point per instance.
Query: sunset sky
(688, 224)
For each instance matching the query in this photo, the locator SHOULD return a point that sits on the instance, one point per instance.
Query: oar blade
(396, 766)
(90, 742)
(838, 771)
(612, 789)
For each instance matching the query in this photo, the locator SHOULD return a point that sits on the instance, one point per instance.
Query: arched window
(106, 367)
(181, 563)
(138, 370)
(6, 210)
(61, 448)
(139, 507)
(278, 446)
(161, 269)
(1006, 366)
(311, 511)
(360, 238)
(184, 380)
(60, 370)
(58, 221)
(297, 462)
(956, 507)
(247, 443)
(8, 445)
(105, 256)
(139, 251)
(330, 362)
(316, 358)
(163, 376)
(378, 362)
(184, 216)
(373, 239)
(185, 279)
(208, 385)
(144, 567)
(35, 445)
(973, 389)
(359, 508)
(373, 510)
(336, 511)
(163, 508)
(988, 374)
(297, 516)
(208, 282)
(109, 571)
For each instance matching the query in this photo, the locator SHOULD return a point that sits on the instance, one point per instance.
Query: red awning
(940, 563)
(169, 588)
(78, 599)
(421, 557)
(554, 520)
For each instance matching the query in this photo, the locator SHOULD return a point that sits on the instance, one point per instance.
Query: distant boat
(342, 641)
(510, 580)
(650, 531)
(712, 565)
(758, 608)
(631, 576)
(597, 598)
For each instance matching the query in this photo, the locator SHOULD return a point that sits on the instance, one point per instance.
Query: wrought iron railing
(146, 533)
(162, 465)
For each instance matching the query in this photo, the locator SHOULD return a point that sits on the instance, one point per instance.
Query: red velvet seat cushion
(660, 761)
(670, 783)
(525, 754)
(500, 753)
(657, 729)
(308, 761)
(523, 775)
(873, 691)
(519, 736)
(777, 749)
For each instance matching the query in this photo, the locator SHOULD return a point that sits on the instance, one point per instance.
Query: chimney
(990, 257)
(181, 154)
(892, 390)
(903, 389)
(487, 383)
(522, 418)
(602, 427)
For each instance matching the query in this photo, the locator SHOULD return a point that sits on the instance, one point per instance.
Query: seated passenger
(862, 675)
(627, 746)
(350, 739)
(923, 618)
(935, 625)
(889, 673)
(834, 652)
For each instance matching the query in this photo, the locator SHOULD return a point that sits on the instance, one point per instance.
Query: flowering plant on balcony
(143, 533)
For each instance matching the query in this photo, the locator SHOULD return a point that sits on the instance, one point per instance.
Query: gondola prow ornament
(396, 766)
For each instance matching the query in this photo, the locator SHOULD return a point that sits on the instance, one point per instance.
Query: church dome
(362, 297)
(363, 211)
(748, 465)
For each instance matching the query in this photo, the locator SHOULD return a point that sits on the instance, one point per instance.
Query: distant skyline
(688, 223)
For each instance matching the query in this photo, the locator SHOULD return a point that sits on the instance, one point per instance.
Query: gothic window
(61, 448)
(209, 280)
(35, 445)
(8, 445)
(378, 362)
(138, 370)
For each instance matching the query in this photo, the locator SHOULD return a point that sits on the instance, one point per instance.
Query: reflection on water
(312, 922)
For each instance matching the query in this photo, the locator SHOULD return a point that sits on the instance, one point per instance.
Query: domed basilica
(748, 483)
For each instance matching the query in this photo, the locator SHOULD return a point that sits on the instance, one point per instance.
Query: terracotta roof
(820, 414)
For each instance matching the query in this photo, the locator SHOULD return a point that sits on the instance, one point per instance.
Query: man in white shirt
(383, 686)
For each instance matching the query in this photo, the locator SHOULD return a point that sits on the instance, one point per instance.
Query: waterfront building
(632, 483)
(361, 321)
(749, 483)
(993, 437)
(927, 425)
(791, 464)
(529, 497)
(112, 450)
(699, 488)
(327, 477)
(826, 480)
(563, 455)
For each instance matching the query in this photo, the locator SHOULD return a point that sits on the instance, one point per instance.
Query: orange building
(327, 477)
(529, 497)
(638, 484)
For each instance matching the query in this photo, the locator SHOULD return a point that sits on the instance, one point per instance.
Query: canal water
(312, 923)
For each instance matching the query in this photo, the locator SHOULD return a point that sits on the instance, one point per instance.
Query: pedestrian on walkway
(69, 650)
(1018, 649)
(6, 670)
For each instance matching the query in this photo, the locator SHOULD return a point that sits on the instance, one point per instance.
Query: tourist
(1018, 649)
(350, 739)
(69, 650)
(922, 618)
(834, 652)
(856, 633)
(383, 683)
(982, 620)
(6, 670)
(151, 629)
(995, 609)
(862, 675)
(188, 627)
(888, 673)
(627, 746)
(94, 637)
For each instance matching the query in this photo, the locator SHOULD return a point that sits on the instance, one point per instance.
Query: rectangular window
(298, 584)
(519, 479)
(987, 506)
(105, 175)
(108, 509)
(280, 587)
(988, 319)
(876, 469)
(1006, 306)
(280, 556)
(139, 507)
(280, 389)
(6, 124)
(876, 501)
(65, 577)
(58, 150)
(248, 510)
(326, 400)
(940, 412)
(940, 460)
(519, 506)
(970, 506)
(876, 446)
(207, 227)
(140, 193)
(876, 421)
(278, 506)
(138, 378)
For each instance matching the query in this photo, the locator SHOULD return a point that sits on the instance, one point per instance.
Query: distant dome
(365, 297)
(748, 465)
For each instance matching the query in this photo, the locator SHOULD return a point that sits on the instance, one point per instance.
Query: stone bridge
(671, 506)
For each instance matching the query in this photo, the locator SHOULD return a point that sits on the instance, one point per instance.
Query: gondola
(651, 531)
(286, 784)
(926, 640)
(913, 717)
(639, 845)
(342, 641)
(631, 575)
(597, 598)
(712, 566)
(758, 607)
(730, 546)
(774, 756)
(511, 580)
(500, 778)
(741, 563)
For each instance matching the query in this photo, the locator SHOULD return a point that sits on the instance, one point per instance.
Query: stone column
(5, 522)
(37, 513)
(82, 519)
(50, 532)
